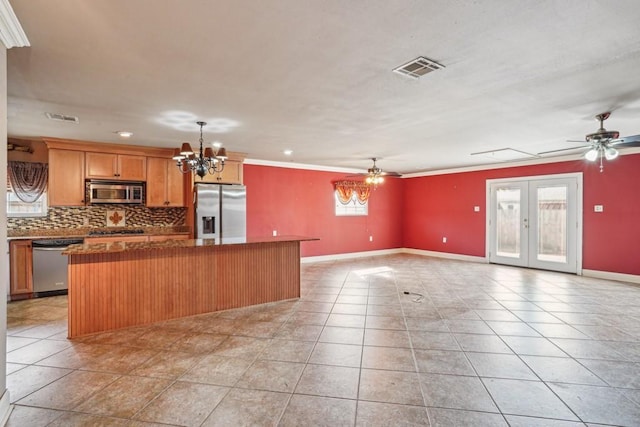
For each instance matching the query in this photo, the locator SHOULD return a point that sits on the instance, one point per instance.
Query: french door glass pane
(552, 224)
(508, 222)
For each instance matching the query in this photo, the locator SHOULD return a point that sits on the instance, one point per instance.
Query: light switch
(476, 208)
(598, 208)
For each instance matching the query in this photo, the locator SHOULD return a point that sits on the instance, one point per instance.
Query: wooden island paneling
(117, 285)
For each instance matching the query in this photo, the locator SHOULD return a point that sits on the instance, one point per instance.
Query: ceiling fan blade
(577, 140)
(391, 174)
(627, 141)
(564, 149)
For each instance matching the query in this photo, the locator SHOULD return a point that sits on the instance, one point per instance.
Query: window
(353, 207)
(18, 208)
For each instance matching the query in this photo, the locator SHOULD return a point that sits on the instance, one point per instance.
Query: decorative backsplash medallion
(116, 218)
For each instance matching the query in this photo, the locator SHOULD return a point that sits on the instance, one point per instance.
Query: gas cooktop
(121, 231)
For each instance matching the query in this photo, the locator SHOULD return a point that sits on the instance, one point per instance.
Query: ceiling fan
(375, 175)
(603, 143)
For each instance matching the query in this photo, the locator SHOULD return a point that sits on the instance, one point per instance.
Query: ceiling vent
(62, 118)
(418, 67)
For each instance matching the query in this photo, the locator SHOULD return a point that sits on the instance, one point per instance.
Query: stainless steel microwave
(115, 192)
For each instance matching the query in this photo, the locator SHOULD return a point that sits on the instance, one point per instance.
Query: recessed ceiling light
(288, 152)
(124, 134)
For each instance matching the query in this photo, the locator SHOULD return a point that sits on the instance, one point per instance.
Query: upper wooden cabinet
(66, 178)
(232, 174)
(165, 186)
(116, 166)
(21, 261)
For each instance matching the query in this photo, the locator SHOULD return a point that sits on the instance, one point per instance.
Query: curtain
(345, 190)
(344, 193)
(28, 180)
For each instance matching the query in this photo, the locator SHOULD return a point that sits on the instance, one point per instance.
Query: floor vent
(418, 67)
(62, 118)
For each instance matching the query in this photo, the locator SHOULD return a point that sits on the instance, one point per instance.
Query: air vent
(62, 118)
(418, 67)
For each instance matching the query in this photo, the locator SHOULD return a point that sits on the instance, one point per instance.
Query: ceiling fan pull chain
(601, 167)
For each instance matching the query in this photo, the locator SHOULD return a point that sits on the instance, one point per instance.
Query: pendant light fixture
(203, 162)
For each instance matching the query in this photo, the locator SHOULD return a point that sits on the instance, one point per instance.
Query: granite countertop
(63, 233)
(100, 248)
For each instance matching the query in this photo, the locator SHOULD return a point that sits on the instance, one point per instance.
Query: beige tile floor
(484, 345)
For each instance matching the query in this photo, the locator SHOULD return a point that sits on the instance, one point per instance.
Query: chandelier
(206, 161)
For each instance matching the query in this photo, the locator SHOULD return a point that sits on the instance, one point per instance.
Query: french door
(536, 222)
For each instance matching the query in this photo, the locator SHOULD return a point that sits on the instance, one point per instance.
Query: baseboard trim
(350, 255)
(5, 408)
(446, 255)
(608, 275)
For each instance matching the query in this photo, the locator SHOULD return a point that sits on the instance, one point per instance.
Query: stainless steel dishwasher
(50, 266)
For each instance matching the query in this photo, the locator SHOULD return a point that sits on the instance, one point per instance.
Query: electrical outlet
(275, 233)
(371, 238)
(444, 240)
(598, 208)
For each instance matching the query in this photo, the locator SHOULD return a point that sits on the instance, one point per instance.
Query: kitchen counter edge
(84, 233)
(115, 247)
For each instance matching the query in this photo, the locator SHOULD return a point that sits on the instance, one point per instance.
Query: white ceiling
(315, 76)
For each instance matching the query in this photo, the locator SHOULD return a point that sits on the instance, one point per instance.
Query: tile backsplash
(96, 216)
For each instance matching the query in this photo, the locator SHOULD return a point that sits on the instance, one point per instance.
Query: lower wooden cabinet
(21, 267)
(165, 237)
(127, 239)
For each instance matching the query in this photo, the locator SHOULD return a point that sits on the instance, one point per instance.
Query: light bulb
(610, 153)
(592, 155)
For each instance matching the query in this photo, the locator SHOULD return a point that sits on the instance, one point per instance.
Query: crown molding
(11, 32)
(292, 165)
(504, 165)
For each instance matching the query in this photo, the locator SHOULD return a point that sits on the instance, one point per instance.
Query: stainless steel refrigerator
(221, 211)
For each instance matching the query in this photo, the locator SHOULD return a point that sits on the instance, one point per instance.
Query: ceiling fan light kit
(603, 143)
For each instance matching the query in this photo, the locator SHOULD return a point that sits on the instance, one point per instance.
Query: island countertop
(113, 247)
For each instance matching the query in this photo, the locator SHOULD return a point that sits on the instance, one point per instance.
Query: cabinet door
(175, 185)
(102, 165)
(164, 183)
(156, 182)
(21, 260)
(132, 168)
(232, 174)
(66, 178)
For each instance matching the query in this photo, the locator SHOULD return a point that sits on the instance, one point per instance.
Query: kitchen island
(117, 285)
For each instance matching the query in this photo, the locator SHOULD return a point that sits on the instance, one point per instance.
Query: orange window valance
(346, 189)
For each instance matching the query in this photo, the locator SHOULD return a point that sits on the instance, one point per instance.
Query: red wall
(442, 205)
(418, 212)
(301, 202)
